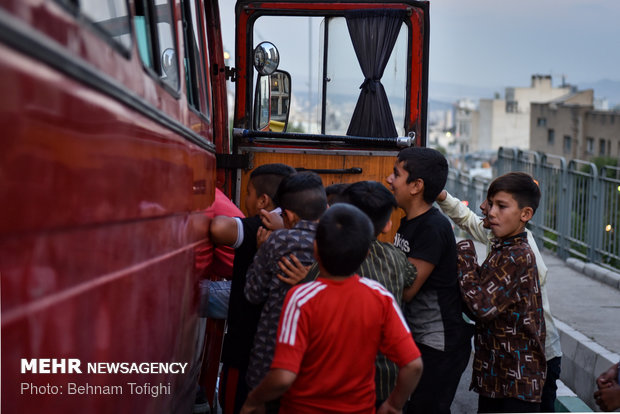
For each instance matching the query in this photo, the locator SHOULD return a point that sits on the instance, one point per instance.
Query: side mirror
(272, 101)
(266, 58)
(169, 66)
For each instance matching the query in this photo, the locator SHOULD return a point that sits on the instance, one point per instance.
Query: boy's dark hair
(374, 199)
(334, 193)
(520, 185)
(343, 237)
(427, 164)
(303, 194)
(266, 178)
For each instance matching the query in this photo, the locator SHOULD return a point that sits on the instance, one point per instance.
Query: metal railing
(579, 211)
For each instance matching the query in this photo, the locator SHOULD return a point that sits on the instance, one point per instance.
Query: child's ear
(263, 201)
(387, 227)
(290, 218)
(526, 214)
(417, 187)
(316, 252)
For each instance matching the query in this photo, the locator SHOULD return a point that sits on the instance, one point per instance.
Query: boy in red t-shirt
(331, 329)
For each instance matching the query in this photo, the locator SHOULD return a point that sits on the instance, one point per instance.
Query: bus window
(345, 77)
(156, 41)
(205, 58)
(111, 16)
(194, 52)
(165, 35)
(328, 73)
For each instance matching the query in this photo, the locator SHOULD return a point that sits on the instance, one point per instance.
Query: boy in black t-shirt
(242, 320)
(435, 312)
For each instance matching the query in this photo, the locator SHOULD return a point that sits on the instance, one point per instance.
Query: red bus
(115, 134)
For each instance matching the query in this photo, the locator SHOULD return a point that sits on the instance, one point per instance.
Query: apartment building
(572, 128)
(506, 122)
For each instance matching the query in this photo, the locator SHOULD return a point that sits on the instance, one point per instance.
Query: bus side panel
(97, 240)
(141, 314)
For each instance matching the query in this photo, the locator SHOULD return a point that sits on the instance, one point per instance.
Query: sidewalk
(587, 313)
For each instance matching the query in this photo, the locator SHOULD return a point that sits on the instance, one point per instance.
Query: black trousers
(506, 405)
(547, 405)
(233, 389)
(440, 378)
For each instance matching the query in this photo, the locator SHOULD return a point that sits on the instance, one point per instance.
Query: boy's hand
(293, 270)
(442, 196)
(608, 378)
(387, 408)
(271, 219)
(251, 407)
(261, 236)
(484, 208)
(608, 398)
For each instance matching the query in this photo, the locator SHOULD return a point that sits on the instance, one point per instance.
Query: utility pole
(310, 74)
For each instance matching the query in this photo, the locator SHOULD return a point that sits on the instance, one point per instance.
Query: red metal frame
(418, 76)
(220, 96)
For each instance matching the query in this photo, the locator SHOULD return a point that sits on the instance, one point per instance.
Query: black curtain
(373, 33)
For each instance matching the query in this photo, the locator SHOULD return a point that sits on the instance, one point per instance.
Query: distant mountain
(604, 88)
(452, 92)
(434, 105)
(442, 92)
(443, 95)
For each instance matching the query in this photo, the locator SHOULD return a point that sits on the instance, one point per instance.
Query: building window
(601, 147)
(512, 106)
(567, 144)
(541, 122)
(589, 145)
(550, 137)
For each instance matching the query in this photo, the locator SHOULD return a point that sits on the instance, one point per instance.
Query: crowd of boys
(323, 317)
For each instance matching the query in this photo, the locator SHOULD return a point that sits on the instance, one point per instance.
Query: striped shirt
(389, 266)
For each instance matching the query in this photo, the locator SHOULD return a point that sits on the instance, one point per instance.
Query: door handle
(353, 170)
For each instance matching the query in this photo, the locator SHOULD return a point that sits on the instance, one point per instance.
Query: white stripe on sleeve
(292, 311)
(239, 233)
(382, 290)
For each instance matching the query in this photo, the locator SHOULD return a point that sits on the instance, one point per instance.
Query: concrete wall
(583, 361)
(510, 129)
(485, 125)
(538, 92)
(602, 125)
(565, 121)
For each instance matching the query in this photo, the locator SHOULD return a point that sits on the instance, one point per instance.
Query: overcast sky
(498, 43)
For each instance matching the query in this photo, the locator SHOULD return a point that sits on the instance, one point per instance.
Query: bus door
(349, 92)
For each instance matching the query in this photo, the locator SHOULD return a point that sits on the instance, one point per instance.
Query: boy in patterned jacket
(503, 296)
